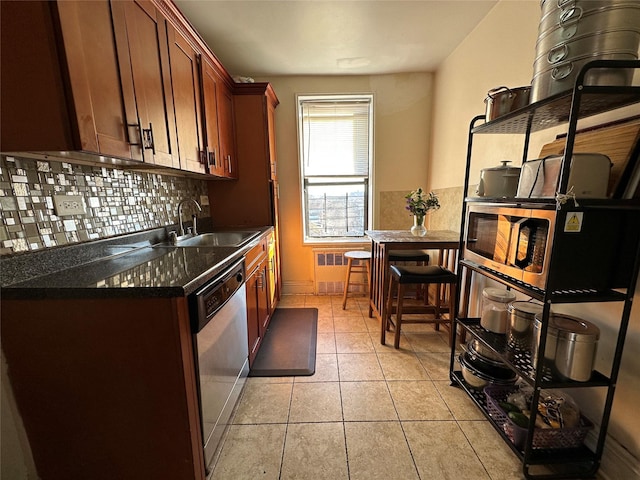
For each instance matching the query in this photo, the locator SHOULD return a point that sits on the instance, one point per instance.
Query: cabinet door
(226, 129)
(209, 81)
(271, 269)
(186, 95)
(263, 296)
(143, 53)
(253, 322)
(271, 127)
(94, 78)
(62, 99)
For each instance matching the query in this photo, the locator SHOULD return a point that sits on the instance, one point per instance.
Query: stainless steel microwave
(557, 250)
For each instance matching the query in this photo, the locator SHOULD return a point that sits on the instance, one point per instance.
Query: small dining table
(383, 241)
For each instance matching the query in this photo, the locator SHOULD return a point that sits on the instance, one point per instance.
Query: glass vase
(418, 228)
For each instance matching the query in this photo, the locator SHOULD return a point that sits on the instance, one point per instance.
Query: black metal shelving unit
(566, 108)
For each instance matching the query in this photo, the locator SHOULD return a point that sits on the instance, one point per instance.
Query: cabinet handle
(260, 281)
(211, 157)
(139, 127)
(229, 162)
(147, 139)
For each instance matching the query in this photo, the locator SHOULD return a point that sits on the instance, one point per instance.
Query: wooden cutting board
(616, 140)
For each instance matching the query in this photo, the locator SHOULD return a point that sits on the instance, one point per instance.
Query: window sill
(337, 241)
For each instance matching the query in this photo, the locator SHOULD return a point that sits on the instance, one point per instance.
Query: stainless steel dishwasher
(219, 321)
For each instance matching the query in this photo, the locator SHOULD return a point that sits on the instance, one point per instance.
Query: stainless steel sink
(235, 238)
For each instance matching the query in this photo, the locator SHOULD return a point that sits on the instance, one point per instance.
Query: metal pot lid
(570, 328)
(499, 295)
(527, 308)
(502, 168)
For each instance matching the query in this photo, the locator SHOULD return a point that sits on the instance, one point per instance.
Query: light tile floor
(368, 412)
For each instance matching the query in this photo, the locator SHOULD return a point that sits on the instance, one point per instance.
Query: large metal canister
(521, 317)
(571, 345)
(574, 23)
(494, 316)
(572, 33)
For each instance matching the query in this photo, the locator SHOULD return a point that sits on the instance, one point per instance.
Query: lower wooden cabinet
(105, 387)
(258, 296)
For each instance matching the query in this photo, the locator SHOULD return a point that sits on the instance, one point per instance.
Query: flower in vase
(419, 202)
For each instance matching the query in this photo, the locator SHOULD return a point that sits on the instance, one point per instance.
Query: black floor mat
(289, 345)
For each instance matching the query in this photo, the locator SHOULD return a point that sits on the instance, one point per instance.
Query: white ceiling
(318, 37)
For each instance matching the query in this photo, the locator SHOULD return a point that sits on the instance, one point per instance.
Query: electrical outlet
(204, 200)
(69, 205)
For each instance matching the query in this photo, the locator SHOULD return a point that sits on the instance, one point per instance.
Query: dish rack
(543, 438)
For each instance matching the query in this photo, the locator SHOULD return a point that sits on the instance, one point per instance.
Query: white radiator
(330, 270)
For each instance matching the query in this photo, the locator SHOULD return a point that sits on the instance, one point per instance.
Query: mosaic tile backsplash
(117, 202)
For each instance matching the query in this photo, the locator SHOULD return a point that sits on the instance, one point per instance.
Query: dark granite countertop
(121, 268)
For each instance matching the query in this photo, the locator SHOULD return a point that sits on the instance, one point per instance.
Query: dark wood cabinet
(61, 80)
(227, 130)
(185, 76)
(88, 76)
(258, 305)
(124, 79)
(253, 324)
(106, 387)
(271, 128)
(254, 113)
(254, 163)
(209, 80)
(143, 54)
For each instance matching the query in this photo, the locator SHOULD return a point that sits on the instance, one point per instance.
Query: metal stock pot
(503, 100)
(500, 181)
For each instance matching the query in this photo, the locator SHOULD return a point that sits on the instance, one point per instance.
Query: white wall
(500, 51)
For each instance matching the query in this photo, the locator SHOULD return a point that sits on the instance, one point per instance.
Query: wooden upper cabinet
(127, 79)
(184, 60)
(209, 82)
(272, 103)
(253, 129)
(141, 38)
(227, 130)
(60, 79)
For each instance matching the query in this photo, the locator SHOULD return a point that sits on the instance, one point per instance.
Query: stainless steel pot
(561, 77)
(503, 100)
(475, 346)
(499, 182)
(479, 376)
(571, 345)
(572, 33)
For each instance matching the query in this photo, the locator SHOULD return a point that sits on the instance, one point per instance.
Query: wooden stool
(421, 257)
(364, 259)
(401, 276)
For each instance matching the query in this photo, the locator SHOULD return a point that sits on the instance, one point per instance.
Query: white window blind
(335, 138)
(335, 159)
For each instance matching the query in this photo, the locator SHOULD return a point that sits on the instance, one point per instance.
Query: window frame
(368, 183)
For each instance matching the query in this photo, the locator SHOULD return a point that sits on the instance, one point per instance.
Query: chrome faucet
(182, 202)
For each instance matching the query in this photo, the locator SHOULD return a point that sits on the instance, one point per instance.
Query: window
(335, 138)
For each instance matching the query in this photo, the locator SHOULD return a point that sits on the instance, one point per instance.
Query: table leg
(384, 288)
(373, 279)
